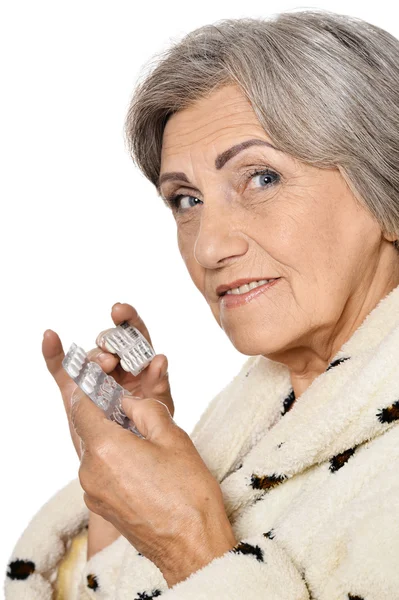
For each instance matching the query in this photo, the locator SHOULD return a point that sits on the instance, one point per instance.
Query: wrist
(101, 533)
(196, 548)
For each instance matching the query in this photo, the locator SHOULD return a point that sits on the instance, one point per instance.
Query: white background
(81, 228)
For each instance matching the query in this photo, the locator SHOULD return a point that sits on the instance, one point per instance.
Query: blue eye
(265, 174)
(174, 200)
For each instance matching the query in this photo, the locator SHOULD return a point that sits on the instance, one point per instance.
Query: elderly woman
(275, 144)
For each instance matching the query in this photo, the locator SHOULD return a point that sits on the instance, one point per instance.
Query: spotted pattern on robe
(288, 402)
(145, 596)
(337, 362)
(270, 534)
(266, 482)
(92, 582)
(290, 399)
(20, 569)
(390, 413)
(245, 548)
(338, 461)
(350, 597)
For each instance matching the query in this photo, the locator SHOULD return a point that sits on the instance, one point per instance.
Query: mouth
(242, 286)
(241, 298)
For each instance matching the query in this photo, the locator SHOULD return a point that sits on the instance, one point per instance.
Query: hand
(145, 384)
(101, 533)
(154, 380)
(156, 491)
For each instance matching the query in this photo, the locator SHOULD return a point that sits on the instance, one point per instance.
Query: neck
(310, 359)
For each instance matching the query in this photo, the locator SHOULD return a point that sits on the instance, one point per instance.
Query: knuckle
(162, 385)
(83, 479)
(99, 449)
(88, 500)
(103, 454)
(181, 434)
(87, 481)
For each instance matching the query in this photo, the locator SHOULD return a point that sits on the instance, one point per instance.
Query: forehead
(223, 116)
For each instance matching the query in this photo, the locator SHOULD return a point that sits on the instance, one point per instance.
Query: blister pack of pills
(130, 345)
(100, 387)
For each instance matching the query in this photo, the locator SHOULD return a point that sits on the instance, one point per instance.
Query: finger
(126, 312)
(88, 420)
(151, 417)
(53, 354)
(155, 383)
(108, 362)
(154, 380)
(157, 376)
(102, 343)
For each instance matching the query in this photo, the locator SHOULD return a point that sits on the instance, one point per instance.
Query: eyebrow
(220, 161)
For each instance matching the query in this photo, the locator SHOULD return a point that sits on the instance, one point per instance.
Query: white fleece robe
(310, 485)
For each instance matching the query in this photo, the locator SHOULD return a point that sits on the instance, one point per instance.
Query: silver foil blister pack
(130, 345)
(100, 387)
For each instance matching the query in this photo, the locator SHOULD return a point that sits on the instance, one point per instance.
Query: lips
(222, 289)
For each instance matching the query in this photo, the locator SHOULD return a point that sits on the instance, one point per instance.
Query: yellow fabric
(64, 583)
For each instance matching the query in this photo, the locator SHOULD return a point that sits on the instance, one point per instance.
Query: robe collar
(255, 434)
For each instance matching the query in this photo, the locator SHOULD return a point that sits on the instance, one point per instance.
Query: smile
(238, 299)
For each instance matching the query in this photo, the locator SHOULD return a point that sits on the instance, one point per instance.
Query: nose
(220, 238)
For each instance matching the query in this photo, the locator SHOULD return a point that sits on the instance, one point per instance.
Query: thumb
(151, 417)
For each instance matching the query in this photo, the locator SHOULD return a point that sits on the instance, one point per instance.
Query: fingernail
(102, 356)
(116, 303)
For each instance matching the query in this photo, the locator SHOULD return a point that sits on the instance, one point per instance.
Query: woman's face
(290, 221)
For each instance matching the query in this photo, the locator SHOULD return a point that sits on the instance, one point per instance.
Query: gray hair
(324, 86)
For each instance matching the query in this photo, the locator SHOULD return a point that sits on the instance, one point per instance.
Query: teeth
(248, 286)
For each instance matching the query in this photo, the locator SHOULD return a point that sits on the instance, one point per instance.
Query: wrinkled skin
(302, 224)
(177, 519)
(299, 223)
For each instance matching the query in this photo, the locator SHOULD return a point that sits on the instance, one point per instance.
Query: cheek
(306, 249)
(186, 245)
(300, 237)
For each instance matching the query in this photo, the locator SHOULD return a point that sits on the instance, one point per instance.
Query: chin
(252, 345)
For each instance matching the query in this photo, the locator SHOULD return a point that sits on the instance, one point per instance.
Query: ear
(391, 237)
